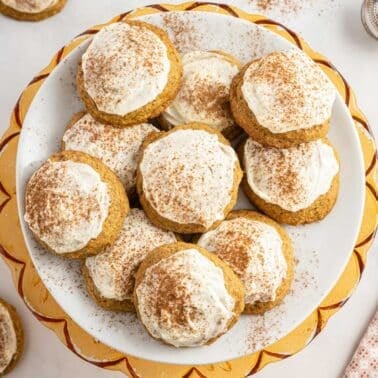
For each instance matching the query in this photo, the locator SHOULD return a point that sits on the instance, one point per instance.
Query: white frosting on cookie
(125, 67)
(204, 92)
(253, 249)
(30, 6)
(287, 91)
(66, 204)
(183, 300)
(8, 339)
(118, 148)
(292, 178)
(188, 176)
(112, 271)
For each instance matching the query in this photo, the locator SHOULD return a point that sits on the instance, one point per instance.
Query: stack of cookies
(157, 131)
(284, 103)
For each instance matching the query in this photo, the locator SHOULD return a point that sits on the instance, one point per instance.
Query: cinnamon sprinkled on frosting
(188, 176)
(66, 204)
(113, 270)
(183, 299)
(118, 148)
(292, 178)
(287, 91)
(29, 6)
(125, 67)
(8, 339)
(253, 249)
(204, 93)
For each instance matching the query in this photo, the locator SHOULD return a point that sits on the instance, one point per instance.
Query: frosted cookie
(186, 296)
(75, 205)
(109, 276)
(283, 99)
(11, 338)
(294, 185)
(129, 73)
(188, 178)
(204, 93)
(117, 148)
(259, 251)
(31, 10)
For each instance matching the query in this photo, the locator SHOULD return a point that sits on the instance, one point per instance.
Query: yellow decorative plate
(254, 36)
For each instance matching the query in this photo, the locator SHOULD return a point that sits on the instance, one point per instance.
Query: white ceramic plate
(322, 250)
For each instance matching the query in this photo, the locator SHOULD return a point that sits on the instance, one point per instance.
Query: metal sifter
(369, 16)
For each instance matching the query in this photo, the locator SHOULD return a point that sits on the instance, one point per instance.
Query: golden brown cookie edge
(151, 109)
(20, 337)
(118, 209)
(245, 118)
(233, 284)
(22, 16)
(317, 211)
(170, 225)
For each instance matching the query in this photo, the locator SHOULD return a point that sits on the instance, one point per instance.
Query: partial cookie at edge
(22, 16)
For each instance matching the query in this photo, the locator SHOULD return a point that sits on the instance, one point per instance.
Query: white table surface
(331, 27)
